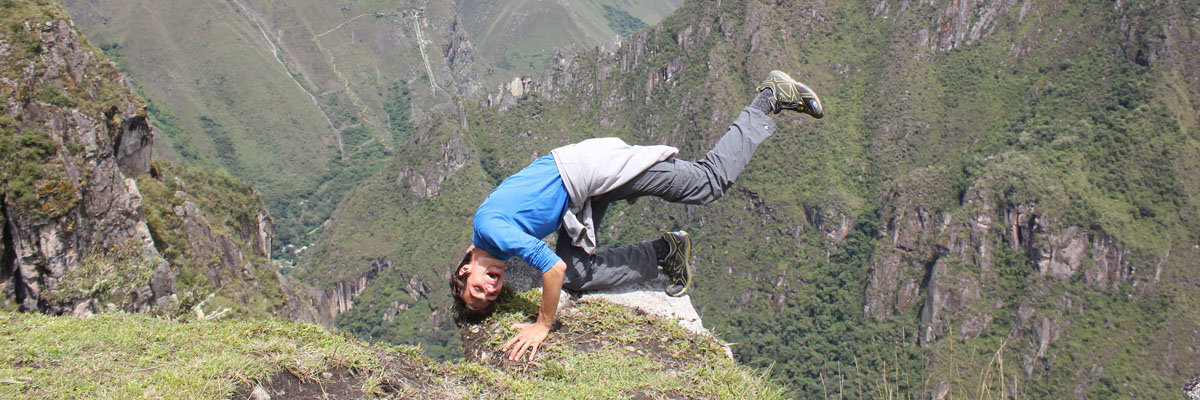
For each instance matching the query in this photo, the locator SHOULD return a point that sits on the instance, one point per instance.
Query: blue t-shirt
(525, 208)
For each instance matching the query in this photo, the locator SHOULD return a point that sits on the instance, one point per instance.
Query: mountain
(1002, 197)
(519, 37)
(306, 99)
(90, 222)
(125, 276)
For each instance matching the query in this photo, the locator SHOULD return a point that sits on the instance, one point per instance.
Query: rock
(259, 393)
(1192, 389)
(339, 298)
(649, 297)
(87, 202)
(942, 391)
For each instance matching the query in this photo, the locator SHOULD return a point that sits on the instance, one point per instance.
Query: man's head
(475, 283)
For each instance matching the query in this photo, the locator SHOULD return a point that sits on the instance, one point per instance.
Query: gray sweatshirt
(594, 167)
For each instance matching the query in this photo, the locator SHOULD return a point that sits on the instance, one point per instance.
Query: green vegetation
(606, 351)
(1065, 129)
(22, 161)
(805, 340)
(54, 96)
(111, 277)
(229, 211)
(399, 111)
(602, 351)
(138, 356)
(621, 22)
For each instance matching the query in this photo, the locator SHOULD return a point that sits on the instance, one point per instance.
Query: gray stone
(259, 393)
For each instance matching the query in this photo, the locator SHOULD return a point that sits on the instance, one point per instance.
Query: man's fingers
(533, 351)
(510, 342)
(524, 346)
(520, 348)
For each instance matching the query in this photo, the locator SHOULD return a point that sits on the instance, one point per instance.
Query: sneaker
(676, 265)
(788, 94)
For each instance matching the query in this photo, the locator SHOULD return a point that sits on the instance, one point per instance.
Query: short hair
(458, 284)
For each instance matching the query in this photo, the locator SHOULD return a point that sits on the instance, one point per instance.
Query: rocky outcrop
(339, 298)
(506, 95)
(444, 155)
(955, 23)
(461, 59)
(72, 196)
(76, 233)
(212, 226)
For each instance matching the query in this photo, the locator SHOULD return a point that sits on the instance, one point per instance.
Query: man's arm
(532, 335)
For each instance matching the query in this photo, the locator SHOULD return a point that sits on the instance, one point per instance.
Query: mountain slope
(89, 222)
(305, 100)
(520, 36)
(996, 180)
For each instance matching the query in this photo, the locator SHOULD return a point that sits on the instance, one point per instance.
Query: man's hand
(530, 337)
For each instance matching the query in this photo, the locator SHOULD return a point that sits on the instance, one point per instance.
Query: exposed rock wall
(84, 201)
(340, 298)
(76, 237)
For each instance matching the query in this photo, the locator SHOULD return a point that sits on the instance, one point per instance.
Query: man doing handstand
(570, 189)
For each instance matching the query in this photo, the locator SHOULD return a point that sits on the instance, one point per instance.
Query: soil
(404, 379)
(285, 386)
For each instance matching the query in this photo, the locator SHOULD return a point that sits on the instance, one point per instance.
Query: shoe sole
(810, 93)
(687, 264)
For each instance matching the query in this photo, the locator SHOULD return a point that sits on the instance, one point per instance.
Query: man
(570, 190)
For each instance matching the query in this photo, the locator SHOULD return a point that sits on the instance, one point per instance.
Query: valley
(1001, 201)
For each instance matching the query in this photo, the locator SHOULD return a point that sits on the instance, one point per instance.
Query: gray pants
(673, 180)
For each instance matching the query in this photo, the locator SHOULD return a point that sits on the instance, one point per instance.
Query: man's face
(484, 281)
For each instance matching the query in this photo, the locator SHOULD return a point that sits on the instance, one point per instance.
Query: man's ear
(465, 267)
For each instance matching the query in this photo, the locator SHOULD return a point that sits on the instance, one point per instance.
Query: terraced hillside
(1010, 181)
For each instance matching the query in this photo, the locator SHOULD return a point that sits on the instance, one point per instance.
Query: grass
(606, 351)
(603, 351)
(138, 356)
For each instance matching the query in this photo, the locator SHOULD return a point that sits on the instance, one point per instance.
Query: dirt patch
(405, 377)
(285, 386)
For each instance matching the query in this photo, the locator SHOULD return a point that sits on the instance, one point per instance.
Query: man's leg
(687, 182)
(705, 180)
(608, 268)
(673, 180)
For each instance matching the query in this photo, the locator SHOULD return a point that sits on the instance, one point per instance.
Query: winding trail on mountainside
(363, 111)
(275, 50)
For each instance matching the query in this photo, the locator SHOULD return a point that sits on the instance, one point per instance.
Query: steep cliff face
(89, 223)
(216, 235)
(75, 137)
